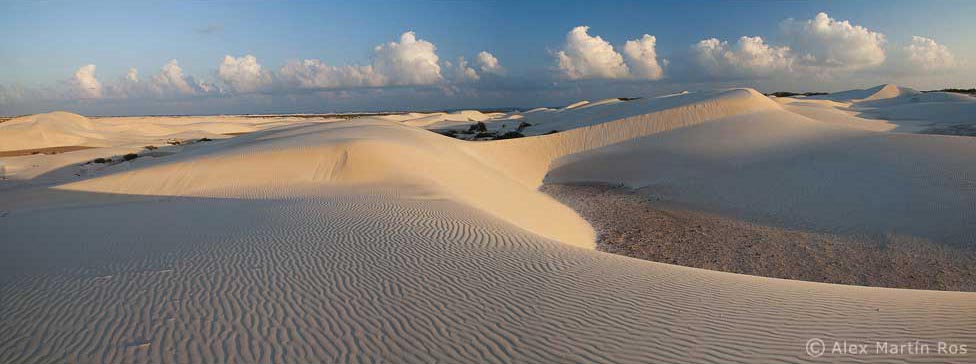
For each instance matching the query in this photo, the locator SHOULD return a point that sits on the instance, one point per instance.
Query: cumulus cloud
(411, 62)
(84, 83)
(128, 86)
(749, 56)
(132, 75)
(927, 54)
(171, 80)
(821, 47)
(641, 57)
(586, 56)
(828, 43)
(489, 64)
(243, 74)
(461, 71)
(313, 73)
(408, 61)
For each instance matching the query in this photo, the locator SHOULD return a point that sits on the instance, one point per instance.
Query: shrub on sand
(479, 127)
(509, 135)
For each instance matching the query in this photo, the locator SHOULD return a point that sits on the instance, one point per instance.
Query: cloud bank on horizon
(817, 48)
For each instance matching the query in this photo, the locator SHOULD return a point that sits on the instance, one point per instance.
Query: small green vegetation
(967, 91)
(480, 127)
(509, 135)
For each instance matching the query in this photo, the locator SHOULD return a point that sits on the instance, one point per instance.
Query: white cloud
(585, 56)
(171, 80)
(313, 73)
(127, 86)
(489, 64)
(243, 74)
(642, 57)
(927, 54)
(411, 62)
(460, 71)
(132, 75)
(85, 84)
(749, 56)
(824, 42)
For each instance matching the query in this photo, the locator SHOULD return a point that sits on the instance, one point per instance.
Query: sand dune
(889, 108)
(36, 137)
(781, 168)
(374, 240)
(58, 129)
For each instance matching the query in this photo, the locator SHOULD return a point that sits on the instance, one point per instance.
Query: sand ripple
(376, 277)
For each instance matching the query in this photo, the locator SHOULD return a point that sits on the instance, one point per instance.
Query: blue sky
(45, 43)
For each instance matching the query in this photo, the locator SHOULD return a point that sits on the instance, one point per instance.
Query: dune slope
(373, 275)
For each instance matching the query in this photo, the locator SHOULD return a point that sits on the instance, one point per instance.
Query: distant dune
(376, 240)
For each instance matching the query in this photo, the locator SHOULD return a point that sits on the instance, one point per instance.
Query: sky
(217, 57)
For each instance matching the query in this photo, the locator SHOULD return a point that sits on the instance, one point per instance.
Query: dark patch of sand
(630, 224)
(51, 150)
(959, 129)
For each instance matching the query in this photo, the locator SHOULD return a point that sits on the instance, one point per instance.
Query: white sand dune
(373, 240)
(112, 136)
(777, 166)
(66, 129)
(887, 91)
(888, 108)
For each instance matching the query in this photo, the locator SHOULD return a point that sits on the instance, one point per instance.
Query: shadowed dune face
(372, 240)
